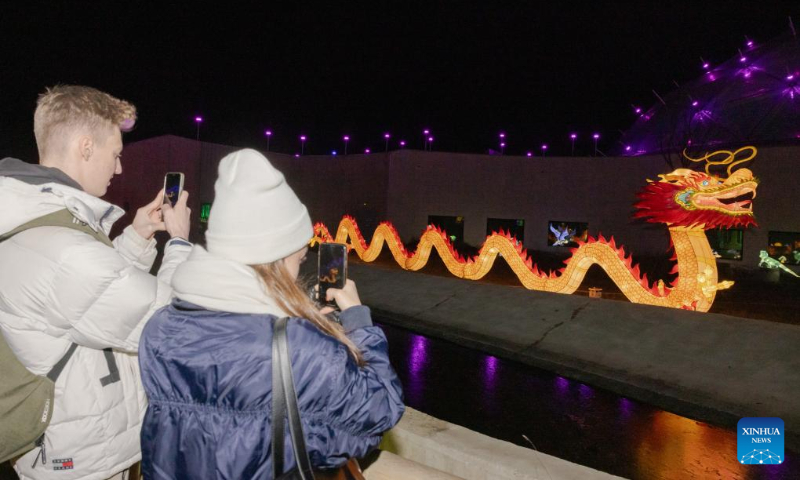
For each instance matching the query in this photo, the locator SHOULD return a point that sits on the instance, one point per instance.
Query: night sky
(466, 70)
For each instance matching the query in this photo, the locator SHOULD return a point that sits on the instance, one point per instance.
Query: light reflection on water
(586, 392)
(490, 373)
(417, 362)
(490, 367)
(675, 440)
(625, 408)
(565, 418)
(562, 386)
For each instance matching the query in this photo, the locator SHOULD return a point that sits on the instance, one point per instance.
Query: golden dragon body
(688, 202)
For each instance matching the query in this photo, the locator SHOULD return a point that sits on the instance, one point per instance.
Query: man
(60, 286)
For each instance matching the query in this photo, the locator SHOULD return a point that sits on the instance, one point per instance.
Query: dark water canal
(566, 418)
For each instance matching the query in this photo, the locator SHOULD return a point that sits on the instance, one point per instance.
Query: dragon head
(692, 199)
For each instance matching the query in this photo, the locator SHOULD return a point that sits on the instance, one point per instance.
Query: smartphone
(331, 269)
(173, 186)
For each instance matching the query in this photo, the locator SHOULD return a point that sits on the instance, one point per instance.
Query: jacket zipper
(42, 453)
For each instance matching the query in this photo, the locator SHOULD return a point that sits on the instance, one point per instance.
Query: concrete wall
(406, 186)
(470, 455)
(598, 191)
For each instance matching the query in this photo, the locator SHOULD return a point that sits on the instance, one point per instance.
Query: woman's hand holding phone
(345, 297)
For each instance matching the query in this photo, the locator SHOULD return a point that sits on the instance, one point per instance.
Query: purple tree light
(386, 138)
(430, 143)
(502, 147)
(302, 144)
(572, 137)
(544, 149)
(596, 137)
(366, 150)
(425, 134)
(198, 120)
(627, 148)
(346, 139)
(529, 154)
(402, 143)
(695, 103)
(268, 134)
(333, 153)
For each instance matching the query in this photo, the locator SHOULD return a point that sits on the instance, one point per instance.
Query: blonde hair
(65, 108)
(292, 299)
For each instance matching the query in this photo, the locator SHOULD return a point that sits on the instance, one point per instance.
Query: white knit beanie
(256, 217)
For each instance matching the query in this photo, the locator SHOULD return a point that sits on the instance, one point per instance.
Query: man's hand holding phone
(148, 219)
(176, 215)
(166, 212)
(177, 219)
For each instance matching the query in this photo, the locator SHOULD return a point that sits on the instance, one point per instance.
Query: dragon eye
(705, 182)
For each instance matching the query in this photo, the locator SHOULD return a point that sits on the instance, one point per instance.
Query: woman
(206, 359)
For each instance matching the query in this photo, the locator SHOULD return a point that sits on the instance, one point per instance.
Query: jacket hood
(35, 174)
(217, 283)
(30, 191)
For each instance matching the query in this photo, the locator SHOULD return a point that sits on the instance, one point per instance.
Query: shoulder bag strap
(278, 407)
(59, 218)
(290, 400)
(59, 366)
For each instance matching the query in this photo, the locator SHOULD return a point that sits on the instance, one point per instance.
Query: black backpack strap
(59, 366)
(60, 218)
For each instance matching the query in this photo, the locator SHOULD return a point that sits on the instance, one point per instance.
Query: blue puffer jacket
(207, 375)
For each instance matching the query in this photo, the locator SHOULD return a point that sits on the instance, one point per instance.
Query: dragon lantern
(686, 201)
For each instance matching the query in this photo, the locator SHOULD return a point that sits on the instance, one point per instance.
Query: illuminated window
(726, 243)
(205, 210)
(514, 227)
(454, 226)
(785, 247)
(565, 234)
